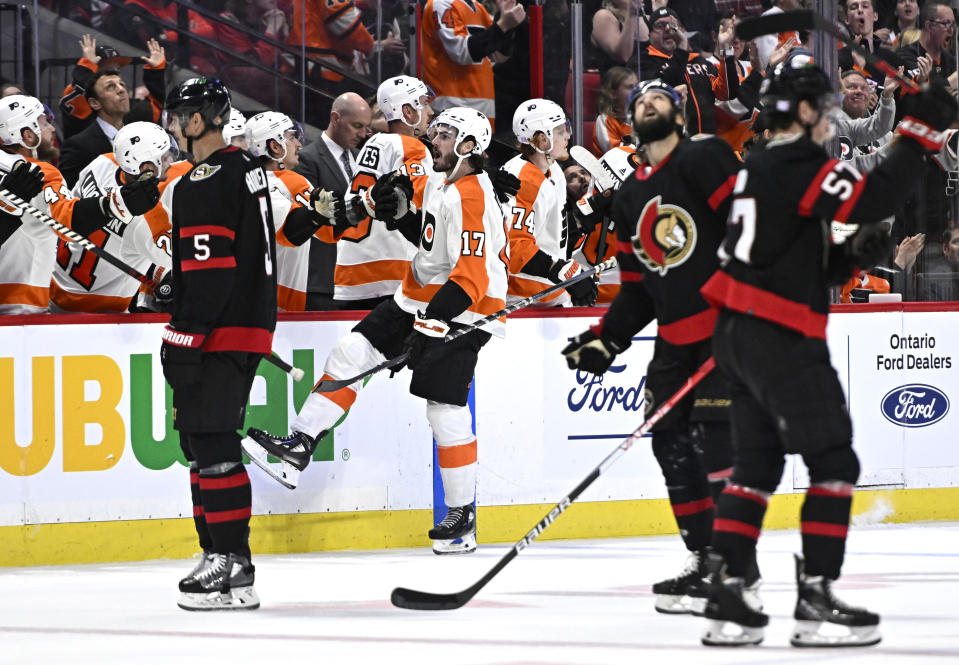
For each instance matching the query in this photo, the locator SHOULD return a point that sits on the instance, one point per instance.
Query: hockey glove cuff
(589, 212)
(181, 348)
(323, 205)
(424, 330)
(930, 139)
(563, 270)
(589, 353)
(130, 200)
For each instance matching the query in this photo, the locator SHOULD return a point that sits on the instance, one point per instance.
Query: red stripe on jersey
(624, 247)
(209, 264)
(722, 289)
(194, 478)
(210, 229)
(630, 276)
(812, 193)
(225, 483)
(214, 517)
(692, 507)
(251, 340)
(734, 526)
(197, 511)
(843, 213)
(842, 492)
(690, 329)
(744, 493)
(716, 198)
(823, 529)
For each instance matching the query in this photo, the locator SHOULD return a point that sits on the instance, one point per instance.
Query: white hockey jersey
(82, 282)
(27, 257)
(370, 259)
(463, 239)
(536, 222)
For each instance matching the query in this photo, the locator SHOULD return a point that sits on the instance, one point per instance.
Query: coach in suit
(329, 163)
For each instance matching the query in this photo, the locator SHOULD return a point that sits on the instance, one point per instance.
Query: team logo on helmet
(666, 236)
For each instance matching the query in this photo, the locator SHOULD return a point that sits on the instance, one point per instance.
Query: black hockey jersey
(224, 254)
(776, 252)
(670, 221)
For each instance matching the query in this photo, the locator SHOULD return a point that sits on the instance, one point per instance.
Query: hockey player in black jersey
(770, 342)
(670, 219)
(224, 314)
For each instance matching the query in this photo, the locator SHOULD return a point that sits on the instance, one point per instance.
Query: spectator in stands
(769, 43)
(903, 19)
(740, 7)
(735, 116)
(617, 27)
(611, 123)
(393, 43)
(459, 40)
(138, 21)
(698, 17)
(861, 20)
(861, 135)
(76, 114)
(9, 88)
(938, 29)
(941, 281)
(330, 163)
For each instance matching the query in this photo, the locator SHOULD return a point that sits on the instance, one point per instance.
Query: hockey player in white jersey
(300, 211)
(538, 231)
(457, 276)
(28, 255)
(234, 132)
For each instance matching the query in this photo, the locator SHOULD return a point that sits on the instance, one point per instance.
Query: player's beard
(655, 129)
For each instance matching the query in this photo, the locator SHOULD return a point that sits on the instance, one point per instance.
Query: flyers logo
(429, 232)
(666, 236)
(203, 171)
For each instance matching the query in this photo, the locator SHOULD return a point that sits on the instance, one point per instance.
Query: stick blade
(411, 599)
(771, 24)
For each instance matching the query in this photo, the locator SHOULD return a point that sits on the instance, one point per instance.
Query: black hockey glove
(163, 293)
(180, 354)
(130, 200)
(590, 353)
(927, 115)
(390, 196)
(583, 293)
(424, 331)
(24, 180)
(589, 212)
(505, 184)
(870, 245)
(323, 206)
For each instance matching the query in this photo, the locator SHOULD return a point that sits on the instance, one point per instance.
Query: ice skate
(734, 613)
(822, 620)
(459, 524)
(203, 559)
(685, 593)
(223, 582)
(294, 453)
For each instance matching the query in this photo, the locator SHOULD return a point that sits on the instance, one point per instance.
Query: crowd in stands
(477, 54)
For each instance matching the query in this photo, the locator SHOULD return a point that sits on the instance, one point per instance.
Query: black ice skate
(733, 609)
(204, 558)
(685, 593)
(459, 524)
(822, 620)
(293, 451)
(224, 582)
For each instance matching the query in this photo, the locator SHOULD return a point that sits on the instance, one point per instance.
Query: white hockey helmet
(139, 143)
(235, 126)
(265, 126)
(468, 123)
(398, 91)
(19, 112)
(538, 115)
(619, 162)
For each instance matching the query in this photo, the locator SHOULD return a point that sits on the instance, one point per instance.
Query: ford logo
(915, 405)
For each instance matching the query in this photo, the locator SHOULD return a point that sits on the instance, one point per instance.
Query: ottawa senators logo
(666, 236)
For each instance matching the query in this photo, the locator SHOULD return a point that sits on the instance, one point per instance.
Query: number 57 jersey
(463, 239)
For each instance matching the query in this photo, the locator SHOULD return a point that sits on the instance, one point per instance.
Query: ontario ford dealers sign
(915, 405)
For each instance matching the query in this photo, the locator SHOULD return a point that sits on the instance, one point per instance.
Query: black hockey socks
(687, 486)
(227, 500)
(737, 526)
(825, 522)
(199, 517)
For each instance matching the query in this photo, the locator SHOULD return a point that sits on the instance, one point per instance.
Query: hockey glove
(583, 293)
(927, 115)
(24, 180)
(589, 212)
(323, 205)
(505, 184)
(589, 353)
(390, 196)
(163, 293)
(181, 348)
(130, 200)
(424, 330)
(871, 245)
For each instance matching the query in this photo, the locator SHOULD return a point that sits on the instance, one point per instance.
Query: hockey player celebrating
(456, 278)
(221, 325)
(670, 220)
(538, 231)
(83, 283)
(300, 211)
(28, 255)
(770, 342)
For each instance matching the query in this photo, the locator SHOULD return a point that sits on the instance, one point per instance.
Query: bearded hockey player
(770, 342)
(457, 277)
(670, 219)
(27, 256)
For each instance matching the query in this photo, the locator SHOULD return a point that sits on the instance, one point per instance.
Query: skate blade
(242, 598)
(729, 634)
(825, 634)
(680, 605)
(463, 545)
(284, 473)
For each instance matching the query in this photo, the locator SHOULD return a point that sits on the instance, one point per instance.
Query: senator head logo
(666, 236)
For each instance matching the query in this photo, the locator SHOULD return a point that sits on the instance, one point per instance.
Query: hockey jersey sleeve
(344, 24)
(82, 215)
(714, 173)
(455, 28)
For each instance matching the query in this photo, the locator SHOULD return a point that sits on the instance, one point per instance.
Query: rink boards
(90, 467)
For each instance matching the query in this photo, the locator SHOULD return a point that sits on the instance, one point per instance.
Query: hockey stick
(69, 234)
(411, 599)
(807, 19)
(332, 385)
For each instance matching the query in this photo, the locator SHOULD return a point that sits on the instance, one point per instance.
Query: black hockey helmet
(796, 79)
(208, 97)
(649, 85)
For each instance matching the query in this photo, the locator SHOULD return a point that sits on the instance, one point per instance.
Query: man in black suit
(109, 99)
(329, 163)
